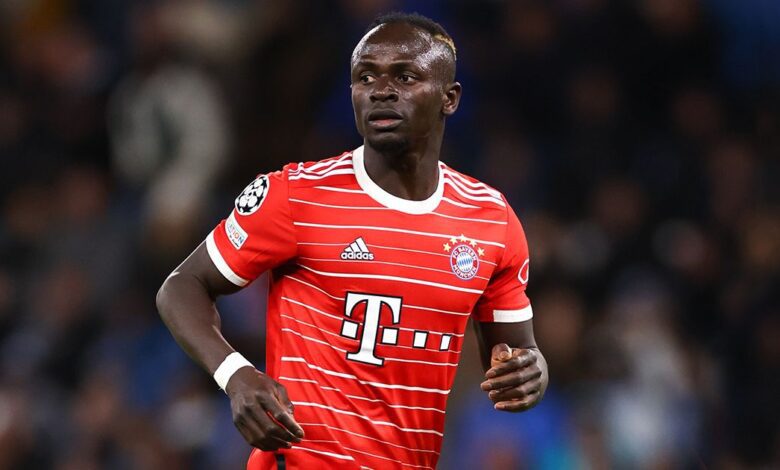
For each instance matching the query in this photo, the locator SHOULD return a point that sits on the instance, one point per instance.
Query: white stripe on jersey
(376, 456)
(391, 278)
(221, 264)
(340, 190)
(443, 255)
(459, 204)
(334, 260)
(467, 219)
(473, 197)
(368, 437)
(358, 415)
(355, 339)
(373, 400)
(333, 206)
(330, 454)
(393, 229)
(305, 176)
(322, 166)
(480, 188)
(322, 170)
(391, 359)
(470, 189)
(409, 388)
(448, 312)
(311, 203)
(315, 309)
(336, 317)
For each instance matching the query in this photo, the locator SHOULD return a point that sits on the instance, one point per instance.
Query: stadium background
(637, 139)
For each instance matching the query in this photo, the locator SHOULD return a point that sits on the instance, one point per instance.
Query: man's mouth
(384, 119)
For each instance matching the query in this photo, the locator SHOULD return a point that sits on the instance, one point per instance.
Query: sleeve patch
(252, 197)
(235, 233)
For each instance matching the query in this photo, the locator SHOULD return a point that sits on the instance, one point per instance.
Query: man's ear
(452, 94)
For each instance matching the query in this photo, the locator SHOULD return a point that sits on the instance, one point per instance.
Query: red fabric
(357, 413)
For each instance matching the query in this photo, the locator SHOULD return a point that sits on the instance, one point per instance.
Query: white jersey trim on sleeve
(221, 264)
(513, 316)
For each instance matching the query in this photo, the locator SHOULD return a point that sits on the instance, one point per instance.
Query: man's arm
(262, 412)
(515, 369)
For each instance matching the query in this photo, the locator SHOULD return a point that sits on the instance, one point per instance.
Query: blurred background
(638, 140)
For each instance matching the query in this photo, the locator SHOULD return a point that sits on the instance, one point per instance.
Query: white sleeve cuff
(513, 316)
(221, 264)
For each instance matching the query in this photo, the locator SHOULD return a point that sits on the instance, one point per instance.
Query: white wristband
(229, 366)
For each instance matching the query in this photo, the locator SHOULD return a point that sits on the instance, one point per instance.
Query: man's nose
(384, 91)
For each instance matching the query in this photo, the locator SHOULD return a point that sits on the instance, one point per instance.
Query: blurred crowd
(639, 141)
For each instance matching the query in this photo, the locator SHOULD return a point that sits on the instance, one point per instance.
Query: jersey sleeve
(504, 299)
(259, 233)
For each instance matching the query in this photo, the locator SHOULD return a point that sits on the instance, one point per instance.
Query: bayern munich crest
(464, 256)
(252, 197)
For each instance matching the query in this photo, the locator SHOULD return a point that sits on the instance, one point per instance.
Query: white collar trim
(388, 200)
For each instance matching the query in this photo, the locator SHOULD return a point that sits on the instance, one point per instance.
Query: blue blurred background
(639, 141)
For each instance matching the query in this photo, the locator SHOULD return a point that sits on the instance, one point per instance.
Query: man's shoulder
(471, 191)
(318, 172)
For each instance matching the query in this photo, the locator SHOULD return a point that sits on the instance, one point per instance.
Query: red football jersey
(369, 299)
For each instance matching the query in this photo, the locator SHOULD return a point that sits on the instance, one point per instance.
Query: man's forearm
(516, 335)
(262, 411)
(192, 318)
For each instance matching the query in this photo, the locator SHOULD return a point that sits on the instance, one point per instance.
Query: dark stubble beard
(386, 146)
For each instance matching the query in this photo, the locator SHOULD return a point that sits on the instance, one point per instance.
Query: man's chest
(396, 283)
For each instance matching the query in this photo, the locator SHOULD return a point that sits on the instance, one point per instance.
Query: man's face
(399, 86)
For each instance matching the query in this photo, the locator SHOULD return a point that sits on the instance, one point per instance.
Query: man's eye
(407, 78)
(366, 79)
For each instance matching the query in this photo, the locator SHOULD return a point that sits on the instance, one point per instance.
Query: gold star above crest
(473, 243)
(453, 240)
(462, 238)
(481, 252)
(447, 247)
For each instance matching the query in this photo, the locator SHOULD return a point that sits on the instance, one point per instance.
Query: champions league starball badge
(464, 257)
(253, 196)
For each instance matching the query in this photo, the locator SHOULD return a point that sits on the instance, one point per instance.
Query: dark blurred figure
(169, 133)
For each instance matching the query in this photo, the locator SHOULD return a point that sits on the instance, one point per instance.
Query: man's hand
(262, 412)
(516, 379)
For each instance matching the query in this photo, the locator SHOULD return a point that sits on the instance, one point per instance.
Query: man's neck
(412, 174)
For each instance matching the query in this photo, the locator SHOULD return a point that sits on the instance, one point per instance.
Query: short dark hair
(433, 28)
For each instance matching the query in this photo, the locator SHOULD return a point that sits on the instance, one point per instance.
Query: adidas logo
(357, 250)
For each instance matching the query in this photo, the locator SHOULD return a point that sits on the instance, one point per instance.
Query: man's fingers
(286, 419)
(513, 393)
(519, 405)
(263, 412)
(521, 358)
(273, 430)
(281, 394)
(247, 428)
(283, 420)
(500, 352)
(253, 430)
(510, 379)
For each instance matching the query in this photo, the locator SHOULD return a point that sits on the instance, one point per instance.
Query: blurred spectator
(169, 134)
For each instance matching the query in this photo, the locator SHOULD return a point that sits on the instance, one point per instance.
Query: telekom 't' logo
(368, 338)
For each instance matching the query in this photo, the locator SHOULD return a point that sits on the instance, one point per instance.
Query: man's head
(403, 73)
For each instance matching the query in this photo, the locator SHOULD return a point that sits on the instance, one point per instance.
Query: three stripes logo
(357, 250)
